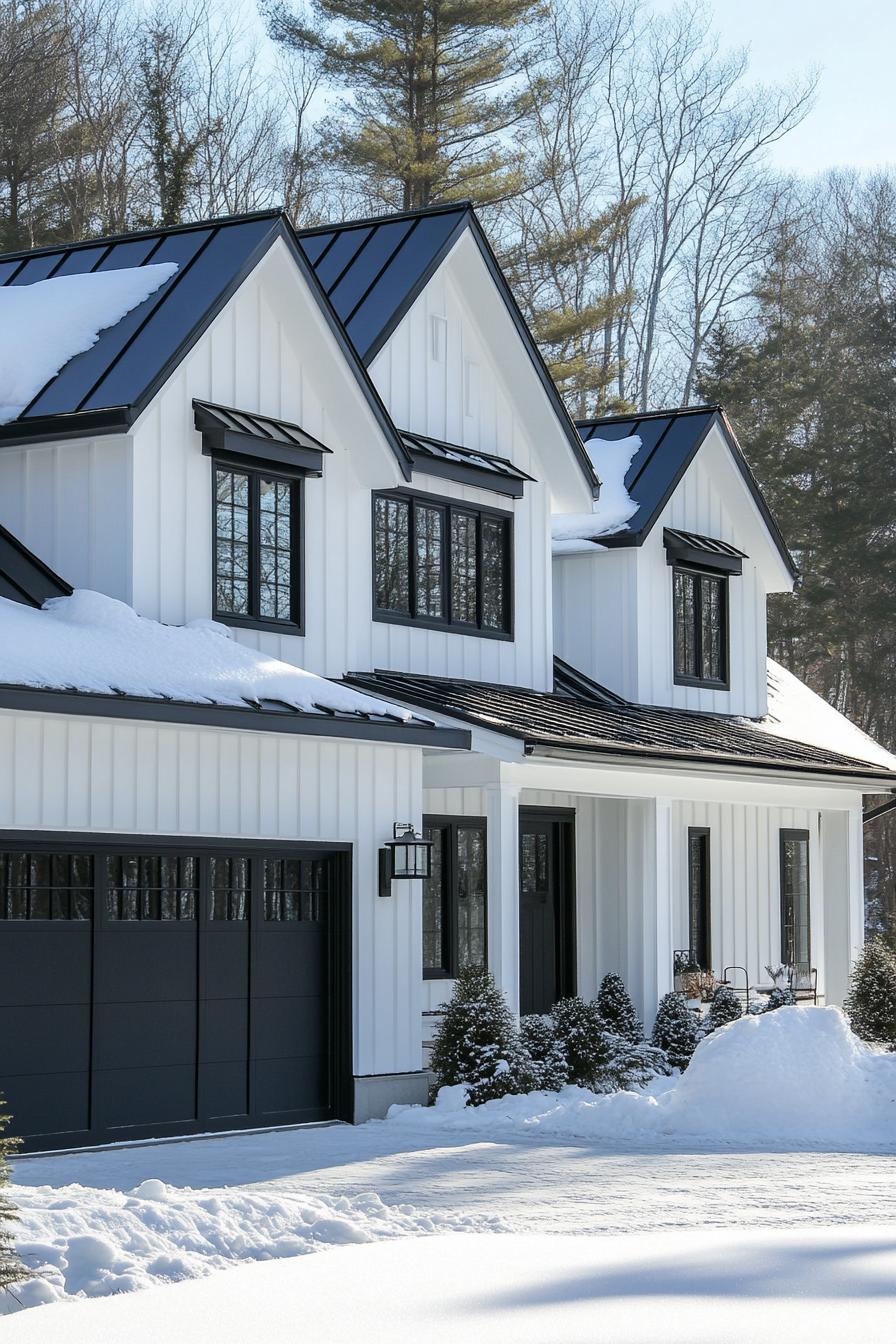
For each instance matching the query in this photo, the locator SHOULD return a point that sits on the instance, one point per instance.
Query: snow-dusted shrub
(870, 1004)
(617, 1010)
(477, 1042)
(780, 997)
(581, 1032)
(631, 1064)
(11, 1269)
(675, 1030)
(725, 1007)
(548, 1068)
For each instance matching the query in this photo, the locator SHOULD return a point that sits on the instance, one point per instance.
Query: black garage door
(149, 991)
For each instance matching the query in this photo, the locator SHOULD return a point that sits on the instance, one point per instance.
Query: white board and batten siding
(76, 774)
(613, 609)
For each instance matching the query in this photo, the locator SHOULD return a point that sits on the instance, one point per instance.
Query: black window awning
(258, 440)
(432, 457)
(707, 552)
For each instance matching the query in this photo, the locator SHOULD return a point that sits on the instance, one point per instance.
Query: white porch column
(502, 814)
(651, 923)
(856, 861)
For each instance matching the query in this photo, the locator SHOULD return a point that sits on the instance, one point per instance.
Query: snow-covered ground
(830, 1286)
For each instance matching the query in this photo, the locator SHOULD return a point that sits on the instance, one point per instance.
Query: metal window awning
(432, 457)
(708, 552)
(258, 440)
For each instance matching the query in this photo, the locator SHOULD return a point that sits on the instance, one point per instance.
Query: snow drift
(575, 532)
(797, 1076)
(44, 325)
(89, 642)
(797, 713)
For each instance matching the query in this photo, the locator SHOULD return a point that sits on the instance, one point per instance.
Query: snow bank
(610, 513)
(81, 1242)
(797, 713)
(44, 325)
(795, 1076)
(829, 1285)
(90, 642)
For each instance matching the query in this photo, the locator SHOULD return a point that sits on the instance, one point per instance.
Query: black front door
(547, 939)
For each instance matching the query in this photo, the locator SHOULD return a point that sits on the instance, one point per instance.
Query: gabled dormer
(660, 594)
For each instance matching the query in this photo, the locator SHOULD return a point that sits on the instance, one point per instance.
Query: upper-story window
(700, 609)
(256, 557)
(440, 562)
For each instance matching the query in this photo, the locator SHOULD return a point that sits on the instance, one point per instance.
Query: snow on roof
(90, 642)
(44, 325)
(797, 713)
(612, 511)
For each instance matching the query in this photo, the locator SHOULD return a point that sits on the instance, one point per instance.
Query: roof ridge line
(134, 234)
(441, 208)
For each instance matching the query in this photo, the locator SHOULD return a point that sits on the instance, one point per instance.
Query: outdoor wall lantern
(404, 858)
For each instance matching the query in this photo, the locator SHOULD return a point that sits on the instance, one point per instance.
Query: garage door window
(229, 898)
(293, 888)
(45, 886)
(151, 887)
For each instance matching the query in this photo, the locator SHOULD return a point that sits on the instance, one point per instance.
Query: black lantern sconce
(407, 857)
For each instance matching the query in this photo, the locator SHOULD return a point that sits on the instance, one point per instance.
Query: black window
(151, 887)
(294, 889)
(229, 889)
(698, 898)
(257, 547)
(45, 886)
(454, 896)
(440, 562)
(795, 898)
(700, 607)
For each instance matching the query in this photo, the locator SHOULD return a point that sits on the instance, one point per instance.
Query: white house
(545, 646)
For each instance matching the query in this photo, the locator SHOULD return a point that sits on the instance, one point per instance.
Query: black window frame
(451, 825)
(448, 507)
(700, 572)
(255, 472)
(787, 926)
(700, 955)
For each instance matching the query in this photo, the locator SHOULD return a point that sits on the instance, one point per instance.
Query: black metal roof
(373, 270)
(23, 577)
(581, 717)
(465, 464)
(669, 442)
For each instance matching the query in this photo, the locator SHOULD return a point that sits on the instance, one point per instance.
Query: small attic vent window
(439, 337)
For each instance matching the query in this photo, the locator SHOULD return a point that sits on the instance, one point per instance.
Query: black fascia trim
(694, 558)
(465, 473)
(36, 561)
(99, 705)
(69, 425)
(566, 421)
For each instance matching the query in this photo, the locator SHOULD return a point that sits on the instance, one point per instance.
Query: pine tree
(675, 1031)
(870, 1004)
(725, 1007)
(547, 1061)
(582, 1034)
(477, 1042)
(433, 91)
(617, 1010)
(11, 1269)
(172, 150)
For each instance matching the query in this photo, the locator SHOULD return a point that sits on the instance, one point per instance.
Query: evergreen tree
(477, 1042)
(581, 1032)
(630, 1064)
(173, 151)
(547, 1061)
(725, 1007)
(870, 1004)
(675, 1030)
(433, 91)
(11, 1269)
(617, 1010)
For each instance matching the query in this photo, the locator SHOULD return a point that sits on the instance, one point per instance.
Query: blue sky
(853, 42)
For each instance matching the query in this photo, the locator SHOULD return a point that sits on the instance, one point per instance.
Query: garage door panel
(44, 965)
(49, 1104)
(146, 963)
(45, 1039)
(143, 1035)
(289, 1026)
(225, 960)
(224, 1030)
(288, 1086)
(292, 960)
(142, 1097)
(224, 1090)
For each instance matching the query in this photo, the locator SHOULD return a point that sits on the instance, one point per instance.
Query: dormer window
(256, 578)
(701, 627)
(442, 563)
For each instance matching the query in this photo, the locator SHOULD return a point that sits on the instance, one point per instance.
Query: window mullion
(449, 563)
(697, 586)
(412, 556)
(478, 571)
(254, 545)
(450, 915)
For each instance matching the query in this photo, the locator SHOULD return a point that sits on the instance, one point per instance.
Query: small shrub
(675, 1031)
(725, 1007)
(477, 1042)
(870, 1004)
(631, 1064)
(548, 1068)
(11, 1269)
(779, 998)
(581, 1032)
(617, 1010)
